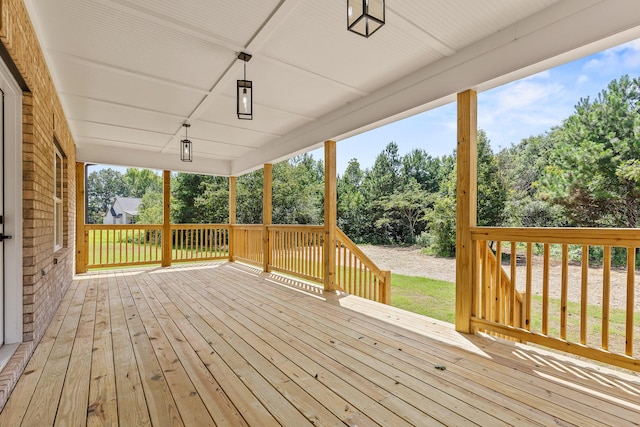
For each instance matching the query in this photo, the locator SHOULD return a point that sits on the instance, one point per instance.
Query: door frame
(13, 278)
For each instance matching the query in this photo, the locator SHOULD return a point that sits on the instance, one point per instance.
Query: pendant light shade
(365, 17)
(244, 96)
(186, 152)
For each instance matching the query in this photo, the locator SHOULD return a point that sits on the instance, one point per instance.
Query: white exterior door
(2, 290)
(11, 279)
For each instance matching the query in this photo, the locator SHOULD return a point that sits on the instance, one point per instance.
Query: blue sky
(508, 113)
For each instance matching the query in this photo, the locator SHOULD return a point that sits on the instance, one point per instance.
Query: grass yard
(421, 295)
(436, 299)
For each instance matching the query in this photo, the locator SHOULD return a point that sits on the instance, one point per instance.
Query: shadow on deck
(224, 343)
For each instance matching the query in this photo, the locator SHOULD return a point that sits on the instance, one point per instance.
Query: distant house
(124, 210)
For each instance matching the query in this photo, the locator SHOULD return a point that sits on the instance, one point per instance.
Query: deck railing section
(297, 249)
(496, 297)
(247, 243)
(122, 245)
(199, 242)
(566, 303)
(358, 275)
(292, 249)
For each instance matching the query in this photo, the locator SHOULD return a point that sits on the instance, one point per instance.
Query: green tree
(298, 188)
(103, 186)
(150, 209)
(213, 202)
(423, 168)
(594, 171)
(352, 212)
(141, 181)
(523, 166)
(381, 181)
(199, 198)
(492, 187)
(404, 211)
(441, 219)
(249, 198)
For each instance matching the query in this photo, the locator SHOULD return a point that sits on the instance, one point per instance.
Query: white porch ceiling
(130, 72)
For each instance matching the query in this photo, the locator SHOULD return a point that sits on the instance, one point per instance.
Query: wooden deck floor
(222, 344)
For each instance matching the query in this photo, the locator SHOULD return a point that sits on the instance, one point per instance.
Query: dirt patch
(410, 262)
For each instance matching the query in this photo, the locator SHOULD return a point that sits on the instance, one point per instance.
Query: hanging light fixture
(365, 17)
(245, 92)
(186, 153)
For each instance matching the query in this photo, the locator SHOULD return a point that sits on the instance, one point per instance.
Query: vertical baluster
(545, 289)
(345, 271)
(192, 243)
(352, 272)
(512, 288)
(606, 295)
(486, 283)
(631, 277)
(290, 264)
(111, 238)
(564, 290)
(584, 294)
(100, 248)
(360, 285)
(528, 285)
(314, 266)
(299, 248)
(498, 294)
(477, 286)
(305, 253)
(137, 243)
(185, 243)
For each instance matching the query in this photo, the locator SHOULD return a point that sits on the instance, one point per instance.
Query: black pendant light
(186, 152)
(244, 98)
(365, 17)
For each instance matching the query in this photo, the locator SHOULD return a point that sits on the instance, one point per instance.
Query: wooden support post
(330, 216)
(387, 287)
(166, 218)
(81, 244)
(266, 216)
(232, 215)
(466, 202)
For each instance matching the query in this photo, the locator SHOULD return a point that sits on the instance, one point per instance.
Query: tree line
(582, 173)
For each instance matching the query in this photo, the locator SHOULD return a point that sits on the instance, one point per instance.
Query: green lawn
(436, 299)
(429, 297)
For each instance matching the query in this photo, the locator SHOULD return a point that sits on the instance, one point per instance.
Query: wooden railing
(247, 243)
(199, 242)
(292, 249)
(358, 275)
(497, 299)
(297, 249)
(122, 245)
(567, 304)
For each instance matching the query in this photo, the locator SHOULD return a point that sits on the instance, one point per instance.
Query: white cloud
(582, 79)
(593, 64)
(622, 56)
(525, 94)
(545, 75)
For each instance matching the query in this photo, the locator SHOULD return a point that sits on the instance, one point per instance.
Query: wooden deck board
(223, 344)
(102, 409)
(14, 411)
(421, 380)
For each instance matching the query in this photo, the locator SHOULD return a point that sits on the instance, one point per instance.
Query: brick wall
(47, 274)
